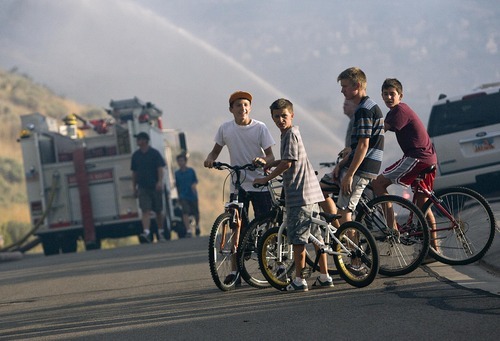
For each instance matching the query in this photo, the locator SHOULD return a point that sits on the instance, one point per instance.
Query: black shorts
(189, 207)
(150, 200)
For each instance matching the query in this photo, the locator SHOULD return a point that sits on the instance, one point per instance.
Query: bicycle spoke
(221, 259)
(400, 231)
(276, 263)
(465, 237)
(356, 255)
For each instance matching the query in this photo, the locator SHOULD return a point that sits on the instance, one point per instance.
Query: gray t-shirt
(300, 181)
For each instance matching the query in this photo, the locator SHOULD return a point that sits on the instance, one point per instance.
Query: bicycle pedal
(306, 272)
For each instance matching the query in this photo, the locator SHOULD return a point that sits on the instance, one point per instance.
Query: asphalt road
(164, 292)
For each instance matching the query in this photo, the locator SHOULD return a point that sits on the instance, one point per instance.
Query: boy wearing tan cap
(247, 140)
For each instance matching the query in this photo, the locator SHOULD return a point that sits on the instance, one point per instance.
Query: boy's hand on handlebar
(209, 163)
(260, 181)
(259, 162)
(345, 152)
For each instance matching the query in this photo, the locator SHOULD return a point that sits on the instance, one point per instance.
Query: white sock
(325, 277)
(146, 231)
(300, 281)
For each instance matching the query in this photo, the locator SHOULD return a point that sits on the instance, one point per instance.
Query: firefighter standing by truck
(147, 181)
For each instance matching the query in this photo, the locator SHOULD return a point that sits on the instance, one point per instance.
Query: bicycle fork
(233, 208)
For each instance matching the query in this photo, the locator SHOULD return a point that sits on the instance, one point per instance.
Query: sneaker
(294, 287)
(357, 270)
(230, 279)
(319, 284)
(198, 231)
(145, 237)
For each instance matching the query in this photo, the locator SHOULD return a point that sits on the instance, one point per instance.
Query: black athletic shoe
(145, 238)
(230, 279)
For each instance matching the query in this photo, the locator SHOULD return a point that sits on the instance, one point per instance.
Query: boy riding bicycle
(248, 141)
(418, 150)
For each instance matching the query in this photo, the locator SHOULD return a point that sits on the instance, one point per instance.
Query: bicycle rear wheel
(221, 259)
(470, 238)
(401, 251)
(360, 265)
(248, 260)
(278, 272)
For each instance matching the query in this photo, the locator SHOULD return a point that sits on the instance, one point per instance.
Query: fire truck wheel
(68, 244)
(95, 245)
(51, 245)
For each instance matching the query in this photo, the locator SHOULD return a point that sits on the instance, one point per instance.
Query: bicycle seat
(329, 186)
(330, 217)
(428, 170)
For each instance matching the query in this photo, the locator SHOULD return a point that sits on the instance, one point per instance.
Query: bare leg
(323, 261)
(420, 200)
(185, 220)
(379, 186)
(146, 220)
(299, 255)
(159, 223)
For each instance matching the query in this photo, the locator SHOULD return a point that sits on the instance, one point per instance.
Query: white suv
(465, 131)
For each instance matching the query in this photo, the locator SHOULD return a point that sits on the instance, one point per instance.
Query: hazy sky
(188, 56)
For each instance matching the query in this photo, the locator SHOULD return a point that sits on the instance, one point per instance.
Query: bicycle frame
(455, 225)
(235, 208)
(431, 196)
(325, 226)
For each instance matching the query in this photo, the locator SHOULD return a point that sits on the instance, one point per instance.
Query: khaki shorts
(150, 200)
(349, 202)
(190, 207)
(299, 226)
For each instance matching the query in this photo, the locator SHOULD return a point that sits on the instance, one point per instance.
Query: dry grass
(15, 212)
(10, 149)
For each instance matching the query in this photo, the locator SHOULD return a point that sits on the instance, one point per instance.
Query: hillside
(20, 95)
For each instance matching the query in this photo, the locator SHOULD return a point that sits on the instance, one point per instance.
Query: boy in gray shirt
(302, 193)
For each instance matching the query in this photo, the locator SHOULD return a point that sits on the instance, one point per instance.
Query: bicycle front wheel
(248, 260)
(276, 261)
(467, 236)
(221, 259)
(356, 257)
(400, 231)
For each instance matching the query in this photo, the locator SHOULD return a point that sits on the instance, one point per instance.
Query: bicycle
(225, 232)
(398, 226)
(464, 224)
(248, 265)
(350, 242)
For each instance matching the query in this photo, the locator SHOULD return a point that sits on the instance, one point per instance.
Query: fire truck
(78, 177)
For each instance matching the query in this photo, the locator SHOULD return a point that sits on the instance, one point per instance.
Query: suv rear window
(469, 113)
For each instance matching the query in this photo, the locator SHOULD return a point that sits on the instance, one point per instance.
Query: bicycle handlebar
(279, 178)
(222, 165)
(328, 164)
